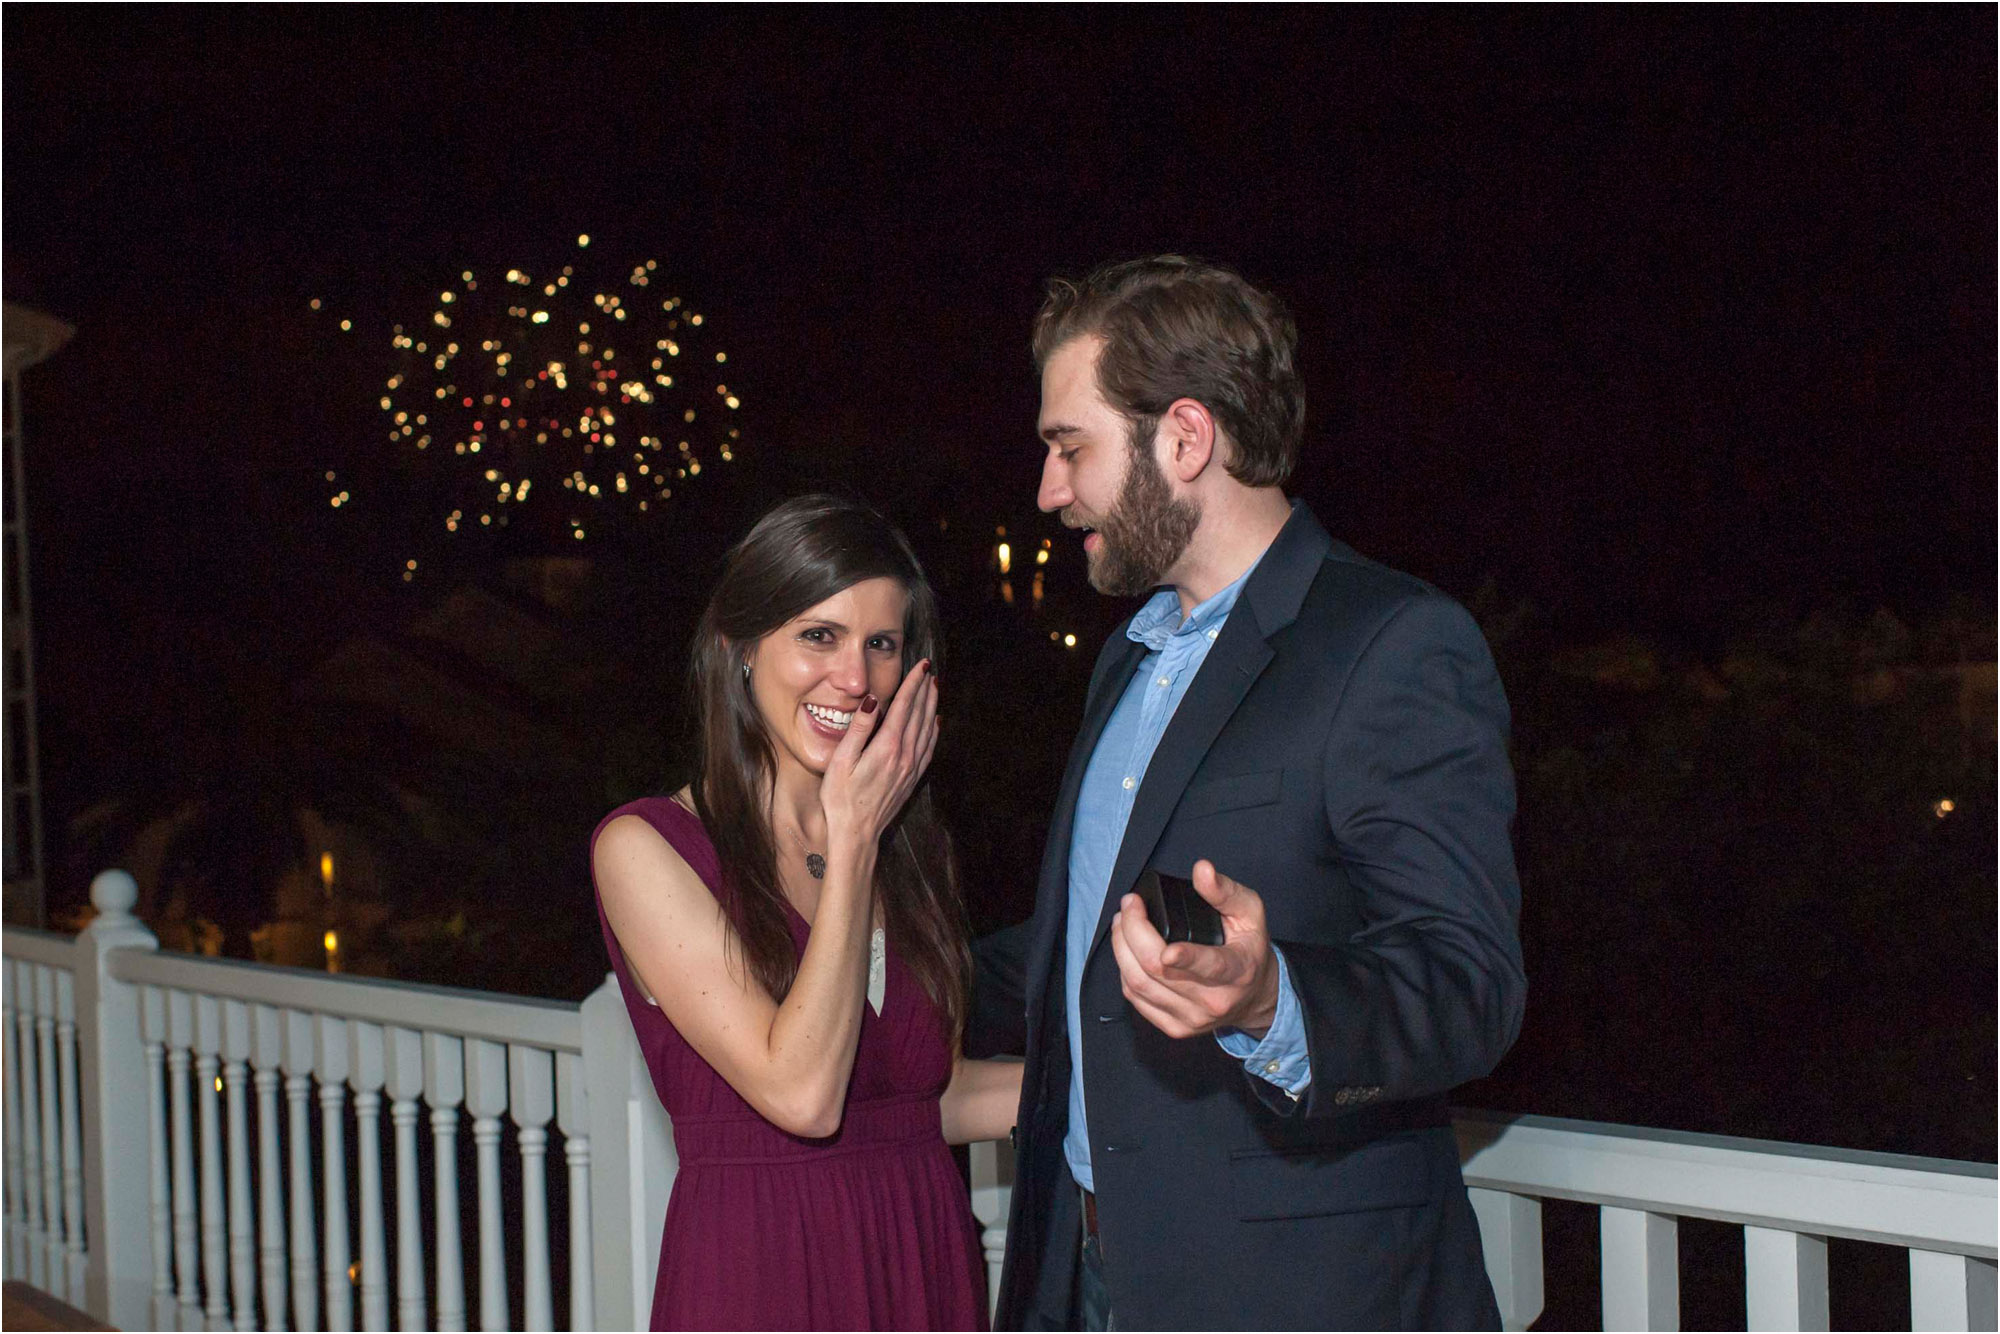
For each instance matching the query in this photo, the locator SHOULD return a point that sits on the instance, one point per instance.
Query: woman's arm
(981, 1100)
(790, 1060)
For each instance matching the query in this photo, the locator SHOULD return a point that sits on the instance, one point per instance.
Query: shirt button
(1128, 782)
(1162, 681)
(1213, 633)
(1270, 1067)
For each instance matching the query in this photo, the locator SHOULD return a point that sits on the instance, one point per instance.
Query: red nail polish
(868, 704)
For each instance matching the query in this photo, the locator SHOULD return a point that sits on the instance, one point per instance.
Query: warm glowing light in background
(562, 379)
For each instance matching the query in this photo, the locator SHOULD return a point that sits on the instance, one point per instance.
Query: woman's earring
(746, 671)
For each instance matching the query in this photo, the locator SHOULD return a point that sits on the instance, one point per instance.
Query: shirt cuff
(1281, 1057)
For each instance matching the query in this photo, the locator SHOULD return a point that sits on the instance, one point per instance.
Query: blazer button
(1343, 1096)
(1107, 1018)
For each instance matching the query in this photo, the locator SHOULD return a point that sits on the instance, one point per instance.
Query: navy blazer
(1343, 752)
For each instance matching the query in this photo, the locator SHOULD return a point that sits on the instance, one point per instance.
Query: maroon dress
(869, 1228)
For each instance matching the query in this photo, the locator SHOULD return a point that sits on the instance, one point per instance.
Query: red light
(506, 402)
(479, 426)
(593, 437)
(468, 402)
(541, 375)
(612, 374)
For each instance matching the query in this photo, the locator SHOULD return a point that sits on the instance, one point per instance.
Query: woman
(787, 935)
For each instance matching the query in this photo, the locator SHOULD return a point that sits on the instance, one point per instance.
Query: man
(1253, 1134)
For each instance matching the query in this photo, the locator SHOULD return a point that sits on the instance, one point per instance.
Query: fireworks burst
(560, 400)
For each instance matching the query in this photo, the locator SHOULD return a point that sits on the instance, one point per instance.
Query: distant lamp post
(30, 337)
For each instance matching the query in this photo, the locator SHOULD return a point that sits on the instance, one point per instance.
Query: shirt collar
(1160, 619)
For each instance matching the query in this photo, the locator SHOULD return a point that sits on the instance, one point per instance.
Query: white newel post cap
(114, 894)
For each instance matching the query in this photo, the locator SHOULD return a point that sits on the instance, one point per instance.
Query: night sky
(1653, 318)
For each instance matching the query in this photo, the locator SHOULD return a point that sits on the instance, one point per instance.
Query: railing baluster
(72, 1137)
(17, 1206)
(444, 1089)
(486, 1098)
(1641, 1269)
(573, 1117)
(405, 1057)
(52, 1165)
(330, 1066)
(1784, 1280)
(533, 1102)
(365, 1077)
(991, 1164)
(1950, 1291)
(187, 1238)
(1510, 1232)
(208, 1104)
(31, 1138)
(298, 1068)
(153, 1034)
(267, 1050)
(242, 1236)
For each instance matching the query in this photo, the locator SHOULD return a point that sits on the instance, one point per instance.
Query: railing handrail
(1934, 1204)
(56, 949)
(458, 1011)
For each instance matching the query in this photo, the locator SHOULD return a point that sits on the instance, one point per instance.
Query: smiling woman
(804, 1038)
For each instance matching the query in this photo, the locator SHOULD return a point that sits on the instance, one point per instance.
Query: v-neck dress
(869, 1228)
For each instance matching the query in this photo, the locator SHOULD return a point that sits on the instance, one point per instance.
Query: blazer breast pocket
(1308, 1183)
(1234, 793)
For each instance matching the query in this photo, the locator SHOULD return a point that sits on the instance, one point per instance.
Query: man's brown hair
(1175, 328)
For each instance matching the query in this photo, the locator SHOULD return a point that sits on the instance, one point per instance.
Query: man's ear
(1190, 431)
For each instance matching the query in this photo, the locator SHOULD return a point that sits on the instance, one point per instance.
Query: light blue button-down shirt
(1177, 646)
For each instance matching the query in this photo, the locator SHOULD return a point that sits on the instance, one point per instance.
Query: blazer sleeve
(1428, 993)
(997, 1022)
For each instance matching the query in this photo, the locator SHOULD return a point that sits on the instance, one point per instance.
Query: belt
(1089, 1211)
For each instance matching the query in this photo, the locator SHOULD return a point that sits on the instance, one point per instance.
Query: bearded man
(1252, 1133)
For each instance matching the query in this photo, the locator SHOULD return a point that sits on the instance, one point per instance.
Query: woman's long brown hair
(798, 555)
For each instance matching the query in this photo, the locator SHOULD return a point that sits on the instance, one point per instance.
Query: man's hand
(1185, 989)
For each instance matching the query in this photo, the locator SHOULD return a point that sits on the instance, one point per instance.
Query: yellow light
(583, 240)
(446, 297)
(314, 303)
(1041, 558)
(540, 317)
(332, 942)
(1006, 554)
(346, 325)
(1069, 641)
(326, 858)
(722, 356)
(1943, 806)
(218, 1083)
(466, 276)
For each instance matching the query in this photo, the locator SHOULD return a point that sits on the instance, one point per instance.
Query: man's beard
(1144, 533)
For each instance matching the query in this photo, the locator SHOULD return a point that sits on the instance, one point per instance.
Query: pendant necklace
(878, 948)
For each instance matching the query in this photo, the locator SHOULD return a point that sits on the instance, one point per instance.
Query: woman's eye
(881, 645)
(816, 635)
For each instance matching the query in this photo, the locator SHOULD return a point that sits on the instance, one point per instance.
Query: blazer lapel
(1269, 602)
(1052, 896)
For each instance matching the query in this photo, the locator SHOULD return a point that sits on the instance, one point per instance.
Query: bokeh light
(571, 401)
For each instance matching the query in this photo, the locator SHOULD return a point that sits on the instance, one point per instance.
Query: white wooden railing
(137, 1084)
